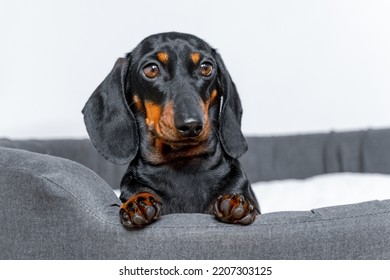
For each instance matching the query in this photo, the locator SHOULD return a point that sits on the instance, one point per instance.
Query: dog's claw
(139, 210)
(234, 209)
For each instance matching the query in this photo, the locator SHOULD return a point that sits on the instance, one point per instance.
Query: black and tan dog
(171, 110)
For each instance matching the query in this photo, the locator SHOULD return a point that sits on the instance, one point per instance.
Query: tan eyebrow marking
(162, 57)
(195, 57)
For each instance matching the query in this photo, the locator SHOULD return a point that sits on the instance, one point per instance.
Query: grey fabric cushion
(80, 150)
(53, 208)
(268, 158)
(306, 155)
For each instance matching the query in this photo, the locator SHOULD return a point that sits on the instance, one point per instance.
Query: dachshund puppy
(170, 110)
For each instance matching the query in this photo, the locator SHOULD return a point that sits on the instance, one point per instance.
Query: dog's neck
(142, 169)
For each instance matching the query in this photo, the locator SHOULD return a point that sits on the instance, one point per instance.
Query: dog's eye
(151, 71)
(206, 69)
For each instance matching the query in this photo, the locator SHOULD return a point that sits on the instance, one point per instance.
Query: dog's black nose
(190, 127)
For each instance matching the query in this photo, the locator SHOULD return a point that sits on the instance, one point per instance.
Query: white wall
(300, 66)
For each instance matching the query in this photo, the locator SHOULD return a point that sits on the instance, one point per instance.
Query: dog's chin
(165, 150)
(182, 144)
(184, 147)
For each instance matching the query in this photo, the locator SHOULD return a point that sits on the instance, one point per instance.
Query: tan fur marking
(167, 120)
(206, 128)
(137, 102)
(163, 57)
(158, 145)
(153, 114)
(195, 57)
(166, 141)
(213, 96)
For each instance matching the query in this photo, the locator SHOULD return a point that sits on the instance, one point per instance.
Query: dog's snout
(190, 127)
(189, 117)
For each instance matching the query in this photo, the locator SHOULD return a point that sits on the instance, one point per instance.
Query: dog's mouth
(164, 149)
(173, 145)
(180, 144)
(189, 148)
(165, 135)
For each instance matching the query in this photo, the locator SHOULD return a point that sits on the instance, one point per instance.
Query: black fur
(183, 178)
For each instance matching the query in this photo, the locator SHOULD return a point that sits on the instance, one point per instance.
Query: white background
(300, 66)
(281, 269)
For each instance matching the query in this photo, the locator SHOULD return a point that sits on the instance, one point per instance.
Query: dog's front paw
(234, 209)
(139, 210)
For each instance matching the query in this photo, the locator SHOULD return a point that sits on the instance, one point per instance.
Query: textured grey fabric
(268, 158)
(53, 208)
(81, 151)
(303, 156)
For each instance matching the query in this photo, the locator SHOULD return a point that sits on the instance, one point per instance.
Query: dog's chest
(186, 190)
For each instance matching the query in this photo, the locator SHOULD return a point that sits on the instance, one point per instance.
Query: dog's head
(168, 97)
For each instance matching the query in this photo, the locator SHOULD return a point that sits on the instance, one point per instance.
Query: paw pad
(234, 209)
(140, 209)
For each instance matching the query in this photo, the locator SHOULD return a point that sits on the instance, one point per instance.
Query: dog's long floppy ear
(233, 142)
(110, 123)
